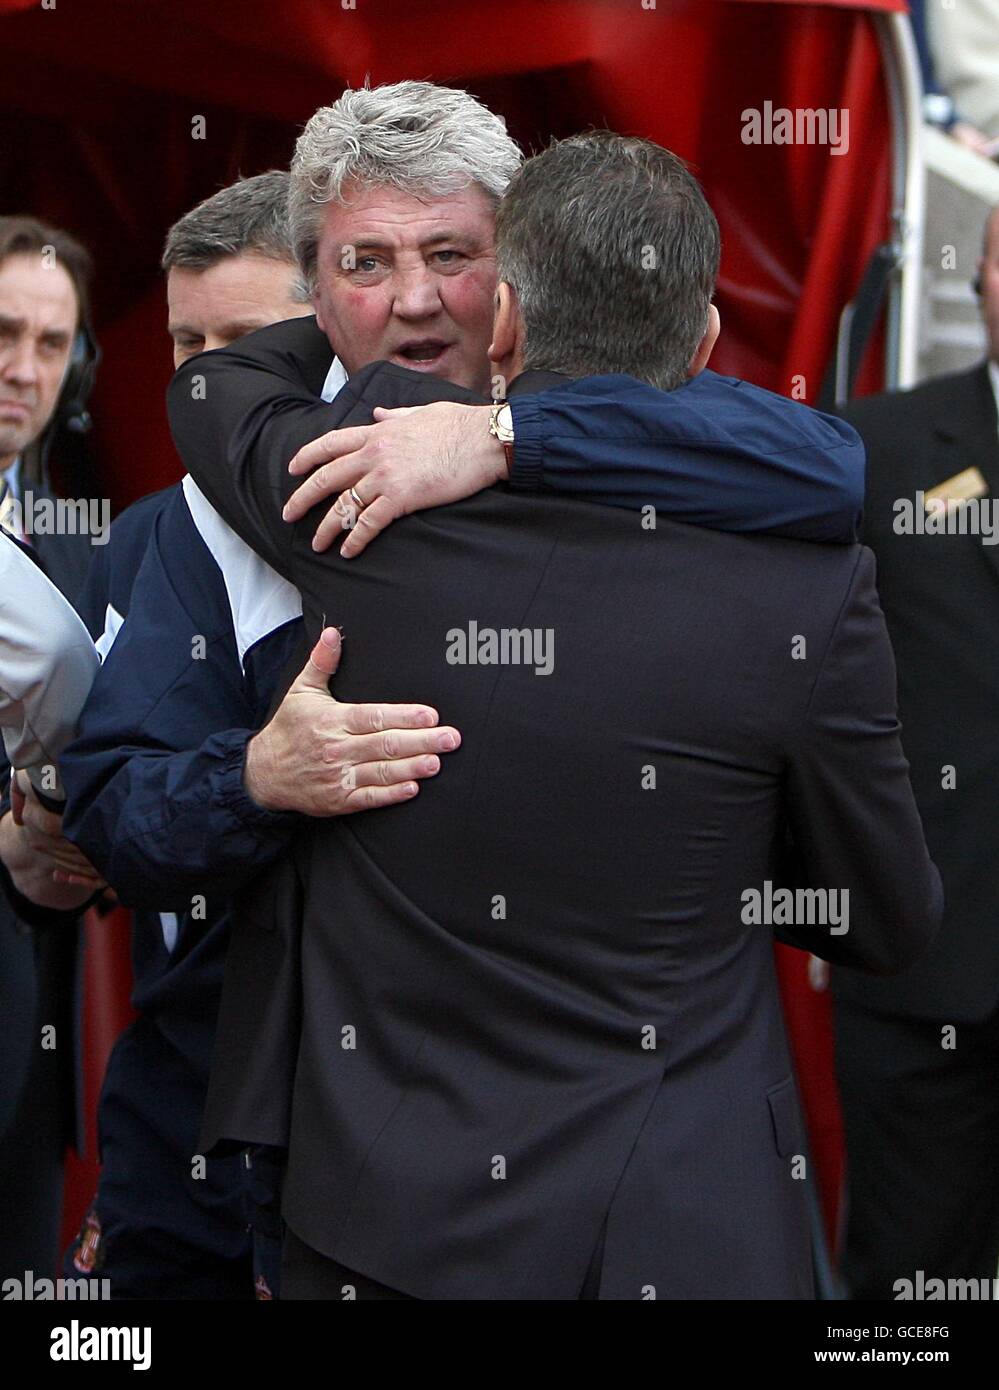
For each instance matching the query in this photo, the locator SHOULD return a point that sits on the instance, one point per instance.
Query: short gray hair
(415, 136)
(249, 215)
(613, 251)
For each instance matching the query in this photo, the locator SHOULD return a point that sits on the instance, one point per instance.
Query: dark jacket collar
(537, 380)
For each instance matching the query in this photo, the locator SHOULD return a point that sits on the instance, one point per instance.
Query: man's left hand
(412, 458)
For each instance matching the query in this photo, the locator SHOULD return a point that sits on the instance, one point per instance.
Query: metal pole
(905, 92)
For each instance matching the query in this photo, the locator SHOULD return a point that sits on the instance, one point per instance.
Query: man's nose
(417, 294)
(19, 364)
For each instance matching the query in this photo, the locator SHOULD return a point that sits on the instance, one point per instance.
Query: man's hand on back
(411, 459)
(321, 757)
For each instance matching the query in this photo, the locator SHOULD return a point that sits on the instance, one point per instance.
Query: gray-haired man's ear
(507, 347)
(705, 347)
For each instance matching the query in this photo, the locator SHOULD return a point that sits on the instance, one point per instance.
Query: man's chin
(14, 441)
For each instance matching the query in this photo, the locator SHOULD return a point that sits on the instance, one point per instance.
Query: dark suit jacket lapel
(312, 355)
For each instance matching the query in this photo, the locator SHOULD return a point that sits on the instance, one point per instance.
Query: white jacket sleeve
(47, 665)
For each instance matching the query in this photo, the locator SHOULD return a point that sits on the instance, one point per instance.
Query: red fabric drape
(96, 109)
(107, 983)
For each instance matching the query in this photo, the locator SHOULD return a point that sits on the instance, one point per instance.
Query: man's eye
(367, 263)
(449, 257)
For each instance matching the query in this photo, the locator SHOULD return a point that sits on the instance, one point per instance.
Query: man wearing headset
(44, 279)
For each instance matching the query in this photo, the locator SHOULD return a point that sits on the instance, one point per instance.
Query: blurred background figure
(939, 106)
(918, 1055)
(46, 369)
(963, 39)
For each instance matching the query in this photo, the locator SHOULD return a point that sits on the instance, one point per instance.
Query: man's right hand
(411, 458)
(44, 867)
(321, 757)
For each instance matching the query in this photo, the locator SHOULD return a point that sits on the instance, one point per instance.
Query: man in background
(44, 307)
(166, 1222)
(918, 1055)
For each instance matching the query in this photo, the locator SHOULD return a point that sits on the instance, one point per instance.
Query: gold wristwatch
(501, 428)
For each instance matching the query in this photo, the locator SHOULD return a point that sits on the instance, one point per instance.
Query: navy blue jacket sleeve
(155, 777)
(716, 452)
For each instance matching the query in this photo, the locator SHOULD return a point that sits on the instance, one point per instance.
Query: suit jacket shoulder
(910, 412)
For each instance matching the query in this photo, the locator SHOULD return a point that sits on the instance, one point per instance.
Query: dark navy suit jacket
(154, 779)
(532, 1015)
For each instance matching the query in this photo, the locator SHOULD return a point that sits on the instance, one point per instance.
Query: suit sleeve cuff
(528, 443)
(238, 801)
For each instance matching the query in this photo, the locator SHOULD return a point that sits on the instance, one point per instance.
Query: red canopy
(96, 107)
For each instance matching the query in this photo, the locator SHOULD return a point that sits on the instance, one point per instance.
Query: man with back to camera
(541, 1052)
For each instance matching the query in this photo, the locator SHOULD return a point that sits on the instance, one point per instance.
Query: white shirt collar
(336, 380)
(994, 379)
(12, 477)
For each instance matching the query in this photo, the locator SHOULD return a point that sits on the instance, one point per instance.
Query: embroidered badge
(88, 1255)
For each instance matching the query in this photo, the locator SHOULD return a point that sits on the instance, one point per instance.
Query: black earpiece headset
(71, 410)
(71, 413)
